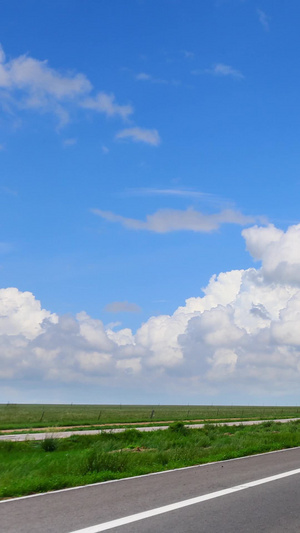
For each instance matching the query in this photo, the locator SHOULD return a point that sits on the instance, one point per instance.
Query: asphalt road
(272, 506)
(18, 437)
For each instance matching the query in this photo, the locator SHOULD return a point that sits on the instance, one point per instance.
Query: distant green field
(19, 416)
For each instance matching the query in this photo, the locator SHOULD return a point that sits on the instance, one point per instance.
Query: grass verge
(31, 466)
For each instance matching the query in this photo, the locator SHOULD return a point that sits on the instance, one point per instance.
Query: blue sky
(139, 139)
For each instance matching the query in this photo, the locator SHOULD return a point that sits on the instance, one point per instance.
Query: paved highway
(254, 494)
(17, 437)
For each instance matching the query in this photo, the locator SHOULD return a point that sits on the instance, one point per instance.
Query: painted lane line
(185, 503)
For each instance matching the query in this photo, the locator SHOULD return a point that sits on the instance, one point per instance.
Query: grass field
(31, 466)
(17, 416)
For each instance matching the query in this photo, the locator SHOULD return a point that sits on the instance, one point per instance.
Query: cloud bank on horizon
(243, 333)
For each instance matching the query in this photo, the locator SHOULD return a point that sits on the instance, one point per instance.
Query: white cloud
(143, 76)
(166, 220)
(28, 83)
(40, 81)
(207, 198)
(241, 337)
(122, 307)
(188, 55)
(220, 69)
(185, 193)
(140, 135)
(279, 252)
(263, 19)
(69, 142)
(105, 103)
(21, 313)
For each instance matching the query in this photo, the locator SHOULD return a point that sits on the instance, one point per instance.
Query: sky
(149, 201)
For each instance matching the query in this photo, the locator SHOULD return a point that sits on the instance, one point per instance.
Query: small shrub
(178, 427)
(267, 424)
(49, 444)
(130, 436)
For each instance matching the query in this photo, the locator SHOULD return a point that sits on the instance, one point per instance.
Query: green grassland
(38, 466)
(17, 416)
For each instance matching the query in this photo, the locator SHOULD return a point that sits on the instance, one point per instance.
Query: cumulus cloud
(240, 337)
(166, 220)
(122, 307)
(21, 313)
(143, 135)
(278, 250)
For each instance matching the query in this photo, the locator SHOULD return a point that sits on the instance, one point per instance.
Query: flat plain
(27, 416)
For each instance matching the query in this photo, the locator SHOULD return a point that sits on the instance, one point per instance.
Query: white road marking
(179, 505)
(132, 478)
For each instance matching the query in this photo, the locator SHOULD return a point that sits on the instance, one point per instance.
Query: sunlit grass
(38, 466)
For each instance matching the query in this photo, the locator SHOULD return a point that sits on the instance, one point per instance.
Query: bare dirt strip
(96, 426)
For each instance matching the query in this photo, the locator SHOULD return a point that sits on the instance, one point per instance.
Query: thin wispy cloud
(137, 134)
(198, 196)
(168, 220)
(143, 76)
(106, 103)
(8, 190)
(184, 193)
(220, 69)
(122, 307)
(69, 142)
(263, 19)
(187, 54)
(6, 248)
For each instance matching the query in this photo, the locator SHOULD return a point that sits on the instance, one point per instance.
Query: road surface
(249, 495)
